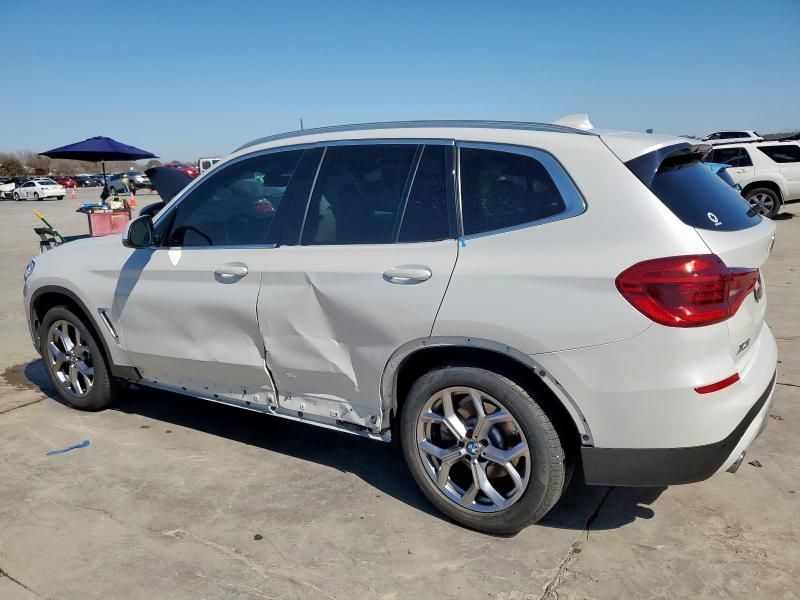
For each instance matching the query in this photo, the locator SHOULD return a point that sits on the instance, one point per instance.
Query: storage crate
(106, 223)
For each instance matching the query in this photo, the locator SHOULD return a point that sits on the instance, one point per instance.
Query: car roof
(625, 144)
(732, 131)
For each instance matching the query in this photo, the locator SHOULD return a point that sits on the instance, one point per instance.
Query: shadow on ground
(380, 465)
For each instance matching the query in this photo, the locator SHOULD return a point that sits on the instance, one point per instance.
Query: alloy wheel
(70, 359)
(763, 202)
(473, 450)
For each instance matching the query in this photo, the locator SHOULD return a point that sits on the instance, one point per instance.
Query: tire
(16, 197)
(59, 197)
(768, 201)
(36, 196)
(61, 362)
(524, 427)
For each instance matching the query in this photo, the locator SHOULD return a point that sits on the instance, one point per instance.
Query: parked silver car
(137, 179)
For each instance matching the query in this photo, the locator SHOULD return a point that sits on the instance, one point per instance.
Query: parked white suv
(510, 300)
(768, 172)
(727, 137)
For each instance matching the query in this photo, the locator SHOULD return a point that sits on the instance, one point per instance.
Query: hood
(168, 181)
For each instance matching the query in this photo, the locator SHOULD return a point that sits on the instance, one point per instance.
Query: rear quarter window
(504, 186)
(786, 153)
(692, 191)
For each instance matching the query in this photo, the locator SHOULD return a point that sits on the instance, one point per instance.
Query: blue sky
(186, 79)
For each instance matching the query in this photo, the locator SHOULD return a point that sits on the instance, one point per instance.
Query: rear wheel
(59, 197)
(765, 200)
(75, 364)
(481, 449)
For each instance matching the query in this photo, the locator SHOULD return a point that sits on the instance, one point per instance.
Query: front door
(374, 260)
(187, 307)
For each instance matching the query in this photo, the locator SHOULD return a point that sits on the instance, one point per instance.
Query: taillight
(686, 291)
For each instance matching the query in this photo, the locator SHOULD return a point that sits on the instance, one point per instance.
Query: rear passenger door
(365, 274)
(741, 167)
(787, 159)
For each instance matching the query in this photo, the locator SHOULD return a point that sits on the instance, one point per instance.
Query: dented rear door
(375, 257)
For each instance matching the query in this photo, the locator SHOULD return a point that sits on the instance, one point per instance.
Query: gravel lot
(179, 498)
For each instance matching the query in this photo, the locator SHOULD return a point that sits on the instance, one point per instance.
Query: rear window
(786, 153)
(691, 190)
(726, 177)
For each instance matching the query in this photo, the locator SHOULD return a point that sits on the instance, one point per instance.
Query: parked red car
(189, 170)
(67, 182)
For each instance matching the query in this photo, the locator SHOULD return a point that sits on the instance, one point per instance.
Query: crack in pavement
(8, 410)
(596, 512)
(550, 591)
(235, 554)
(788, 384)
(19, 583)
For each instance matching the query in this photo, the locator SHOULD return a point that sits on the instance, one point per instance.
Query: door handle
(408, 275)
(230, 271)
(741, 170)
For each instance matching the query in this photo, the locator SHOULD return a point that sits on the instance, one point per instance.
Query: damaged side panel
(209, 344)
(330, 320)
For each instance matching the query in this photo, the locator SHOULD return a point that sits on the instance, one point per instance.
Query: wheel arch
(419, 356)
(46, 297)
(765, 183)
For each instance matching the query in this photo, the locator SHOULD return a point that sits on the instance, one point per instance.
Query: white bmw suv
(509, 300)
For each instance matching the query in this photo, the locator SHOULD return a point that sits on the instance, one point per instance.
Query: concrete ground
(179, 498)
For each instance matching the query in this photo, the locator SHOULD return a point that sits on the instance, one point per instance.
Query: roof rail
(521, 125)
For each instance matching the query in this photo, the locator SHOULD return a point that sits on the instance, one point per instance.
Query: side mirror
(139, 233)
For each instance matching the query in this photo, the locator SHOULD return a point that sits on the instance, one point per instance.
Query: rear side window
(501, 189)
(786, 153)
(694, 193)
(425, 218)
(359, 194)
(734, 157)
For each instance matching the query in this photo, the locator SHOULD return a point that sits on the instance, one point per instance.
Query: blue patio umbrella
(99, 149)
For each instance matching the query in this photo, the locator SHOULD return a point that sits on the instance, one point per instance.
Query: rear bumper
(670, 466)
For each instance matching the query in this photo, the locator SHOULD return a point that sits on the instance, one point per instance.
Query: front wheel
(75, 364)
(16, 197)
(765, 200)
(481, 449)
(36, 196)
(59, 197)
